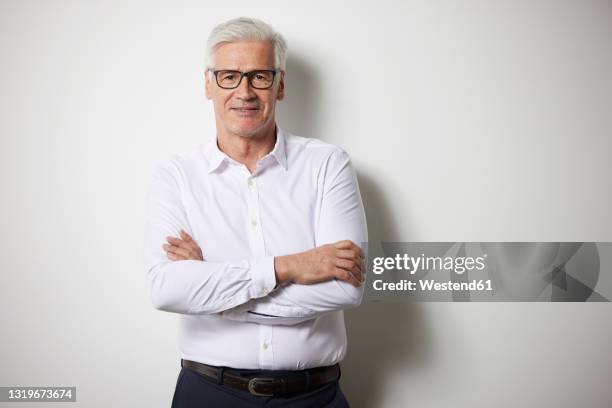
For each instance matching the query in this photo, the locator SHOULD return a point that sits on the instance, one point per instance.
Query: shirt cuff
(263, 276)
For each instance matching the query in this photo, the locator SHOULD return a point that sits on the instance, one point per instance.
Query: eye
(227, 76)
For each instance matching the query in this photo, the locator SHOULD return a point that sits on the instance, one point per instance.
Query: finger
(358, 271)
(195, 250)
(354, 280)
(189, 246)
(176, 257)
(173, 249)
(352, 267)
(347, 264)
(346, 244)
(180, 243)
(186, 236)
(172, 256)
(176, 242)
(346, 276)
(342, 274)
(189, 243)
(169, 248)
(359, 275)
(180, 251)
(349, 254)
(173, 240)
(356, 248)
(190, 253)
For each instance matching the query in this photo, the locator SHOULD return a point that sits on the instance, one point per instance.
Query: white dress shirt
(303, 194)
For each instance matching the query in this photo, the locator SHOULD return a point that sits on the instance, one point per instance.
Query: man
(255, 239)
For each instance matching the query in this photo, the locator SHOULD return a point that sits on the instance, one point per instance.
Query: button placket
(254, 213)
(266, 355)
(255, 218)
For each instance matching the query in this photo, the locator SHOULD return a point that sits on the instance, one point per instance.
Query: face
(245, 111)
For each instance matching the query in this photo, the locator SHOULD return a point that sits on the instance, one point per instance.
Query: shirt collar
(213, 155)
(216, 157)
(280, 148)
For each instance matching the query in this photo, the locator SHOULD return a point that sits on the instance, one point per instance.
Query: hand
(341, 260)
(183, 249)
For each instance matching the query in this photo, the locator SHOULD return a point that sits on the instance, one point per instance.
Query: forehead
(244, 55)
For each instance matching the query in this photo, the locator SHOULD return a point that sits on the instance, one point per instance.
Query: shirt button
(254, 223)
(265, 346)
(251, 183)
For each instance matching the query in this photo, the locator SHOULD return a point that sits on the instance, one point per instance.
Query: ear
(207, 84)
(281, 87)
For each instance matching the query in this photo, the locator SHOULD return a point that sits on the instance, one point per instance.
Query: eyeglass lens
(257, 79)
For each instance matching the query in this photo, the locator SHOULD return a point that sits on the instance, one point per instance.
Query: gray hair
(246, 28)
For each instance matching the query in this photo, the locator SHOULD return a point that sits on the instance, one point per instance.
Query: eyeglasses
(258, 79)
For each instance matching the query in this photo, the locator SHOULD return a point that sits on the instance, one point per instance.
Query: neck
(247, 150)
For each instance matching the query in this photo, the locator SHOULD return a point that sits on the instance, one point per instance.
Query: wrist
(282, 269)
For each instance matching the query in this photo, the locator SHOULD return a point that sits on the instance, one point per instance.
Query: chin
(247, 130)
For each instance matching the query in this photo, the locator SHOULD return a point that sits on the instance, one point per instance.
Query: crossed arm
(272, 290)
(342, 260)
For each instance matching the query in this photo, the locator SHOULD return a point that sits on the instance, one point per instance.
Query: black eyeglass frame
(248, 74)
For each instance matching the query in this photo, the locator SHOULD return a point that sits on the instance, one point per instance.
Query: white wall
(467, 121)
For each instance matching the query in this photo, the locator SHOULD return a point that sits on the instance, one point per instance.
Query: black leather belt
(294, 383)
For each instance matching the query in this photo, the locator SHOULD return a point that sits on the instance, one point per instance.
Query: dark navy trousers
(196, 391)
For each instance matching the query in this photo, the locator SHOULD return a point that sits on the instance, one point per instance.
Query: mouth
(246, 110)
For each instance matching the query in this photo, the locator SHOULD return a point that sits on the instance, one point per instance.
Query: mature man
(255, 239)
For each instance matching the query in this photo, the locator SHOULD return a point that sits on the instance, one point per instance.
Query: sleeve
(189, 286)
(341, 217)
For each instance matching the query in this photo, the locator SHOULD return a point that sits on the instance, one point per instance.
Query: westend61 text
(429, 285)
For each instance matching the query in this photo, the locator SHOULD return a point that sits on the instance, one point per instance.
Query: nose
(244, 90)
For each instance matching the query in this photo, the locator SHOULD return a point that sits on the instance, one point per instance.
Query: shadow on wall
(298, 113)
(384, 338)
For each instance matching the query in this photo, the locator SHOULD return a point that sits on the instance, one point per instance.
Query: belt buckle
(252, 383)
